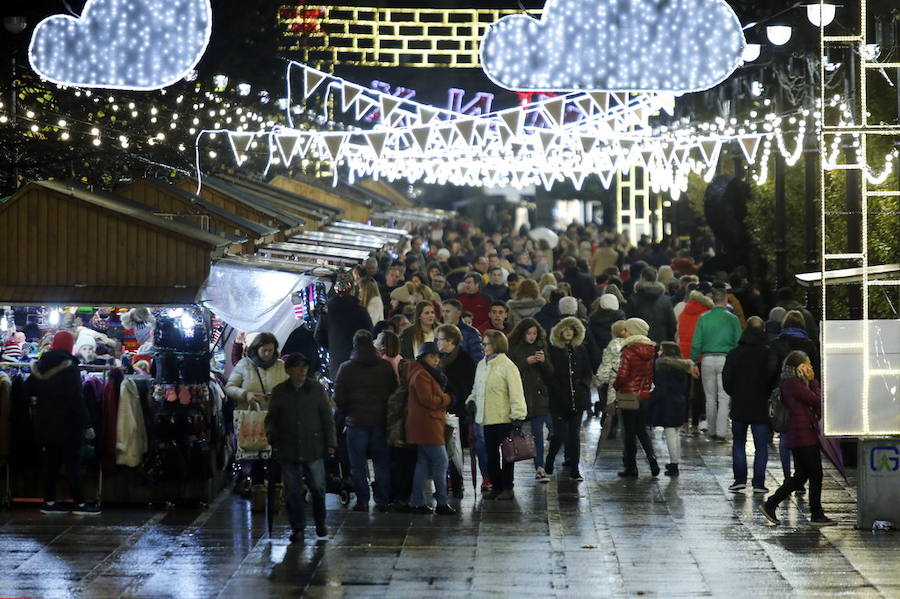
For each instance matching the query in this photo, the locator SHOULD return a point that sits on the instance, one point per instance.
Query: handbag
(518, 446)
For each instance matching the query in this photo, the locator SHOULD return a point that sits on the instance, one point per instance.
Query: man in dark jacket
(748, 377)
(651, 304)
(343, 316)
(582, 283)
(62, 421)
(361, 390)
(460, 371)
(496, 288)
(300, 428)
(451, 313)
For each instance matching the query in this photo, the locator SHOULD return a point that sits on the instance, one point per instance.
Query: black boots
(671, 469)
(654, 465)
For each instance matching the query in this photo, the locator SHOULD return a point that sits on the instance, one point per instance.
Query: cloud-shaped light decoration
(123, 44)
(615, 45)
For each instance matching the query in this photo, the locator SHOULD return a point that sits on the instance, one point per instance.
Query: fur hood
(638, 339)
(701, 299)
(651, 288)
(571, 322)
(51, 364)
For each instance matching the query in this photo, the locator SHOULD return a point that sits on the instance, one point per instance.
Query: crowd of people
(469, 338)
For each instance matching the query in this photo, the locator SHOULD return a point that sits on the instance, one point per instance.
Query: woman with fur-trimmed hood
(570, 393)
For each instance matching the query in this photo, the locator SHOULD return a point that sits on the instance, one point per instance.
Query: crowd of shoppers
(664, 342)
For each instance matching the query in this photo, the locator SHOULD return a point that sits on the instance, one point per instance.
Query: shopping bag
(453, 442)
(251, 430)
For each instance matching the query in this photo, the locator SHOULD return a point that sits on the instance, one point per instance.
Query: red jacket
(478, 304)
(694, 308)
(805, 405)
(636, 369)
(426, 407)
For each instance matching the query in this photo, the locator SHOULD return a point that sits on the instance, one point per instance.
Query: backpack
(779, 415)
(396, 410)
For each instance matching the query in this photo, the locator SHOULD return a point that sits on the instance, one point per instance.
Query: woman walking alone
(570, 393)
(801, 395)
(528, 349)
(497, 402)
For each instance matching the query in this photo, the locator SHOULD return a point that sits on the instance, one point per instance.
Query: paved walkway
(685, 537)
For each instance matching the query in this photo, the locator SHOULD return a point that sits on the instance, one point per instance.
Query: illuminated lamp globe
(751, 52)
(820, 15)
(779, 35)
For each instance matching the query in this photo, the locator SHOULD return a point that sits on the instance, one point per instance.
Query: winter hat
(429, 347)
(63, 341)
(443, 254)
(637, 326)
(568, 305)
(777, 314)
(609, 302)
(85, 339)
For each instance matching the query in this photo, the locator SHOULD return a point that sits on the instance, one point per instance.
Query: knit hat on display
(63, 341)
(568, 305)
(86, 339)
(609, 302)
(637, 326)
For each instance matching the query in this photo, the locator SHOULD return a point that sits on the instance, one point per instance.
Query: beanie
(637, 326)
(568, 305)
(609, 302)
(443, 254)
(85, 339)
(63, 341)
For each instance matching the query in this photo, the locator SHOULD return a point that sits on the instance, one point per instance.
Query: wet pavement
(605, 537)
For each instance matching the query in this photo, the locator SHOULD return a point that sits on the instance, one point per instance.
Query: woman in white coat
(249, 387)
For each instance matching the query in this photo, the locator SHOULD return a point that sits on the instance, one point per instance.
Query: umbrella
(545, 233)
(473, 463)
(604, 434)
(832, 449)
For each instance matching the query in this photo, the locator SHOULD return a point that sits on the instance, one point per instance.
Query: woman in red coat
(426, 412)
(633, 384)
(801, 395)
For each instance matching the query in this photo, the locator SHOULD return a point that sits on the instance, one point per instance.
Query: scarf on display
(259, 363)
(448, 359)
(436, 373)
(795, 332)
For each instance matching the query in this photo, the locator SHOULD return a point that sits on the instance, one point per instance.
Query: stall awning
(845, 276)
(30, 295)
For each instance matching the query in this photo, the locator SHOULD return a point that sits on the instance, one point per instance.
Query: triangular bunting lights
(749, 145)
(377, 140)
(311, 80)
(349, 93)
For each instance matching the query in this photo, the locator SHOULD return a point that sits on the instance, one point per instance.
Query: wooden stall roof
(286, 199)
(65, 243)
(168, 198)
(385, 190)
(242, 202)
(353, 206)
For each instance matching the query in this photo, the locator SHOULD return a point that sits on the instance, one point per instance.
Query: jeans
(293, 474)
(500, 472)
(635, 427)
(807, 466)
(761, 433)
(566, 431)
(716, 398)
(481, 451)
(537, 431)
(432, 460)
(67, 455)
(365, 442)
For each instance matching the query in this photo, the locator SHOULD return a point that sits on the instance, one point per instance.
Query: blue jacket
(668, 402)
(471, 342)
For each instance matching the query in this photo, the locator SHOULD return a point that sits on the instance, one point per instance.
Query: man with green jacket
(718, 332)
(300, 428)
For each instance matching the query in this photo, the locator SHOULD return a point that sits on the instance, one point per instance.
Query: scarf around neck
(436, 373)
(259, 363)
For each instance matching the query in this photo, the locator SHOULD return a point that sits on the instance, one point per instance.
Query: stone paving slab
(605, 537)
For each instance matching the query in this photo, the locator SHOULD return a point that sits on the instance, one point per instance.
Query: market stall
(354, 206)
(316, 214)
(123, 280)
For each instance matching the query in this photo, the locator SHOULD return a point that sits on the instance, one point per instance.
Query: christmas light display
(123, 44)
(628, 45)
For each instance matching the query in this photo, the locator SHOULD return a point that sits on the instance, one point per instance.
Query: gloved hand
(518, 423)
(89, 434)
(471, 408)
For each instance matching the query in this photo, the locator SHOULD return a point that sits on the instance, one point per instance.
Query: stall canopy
(63, 243)
(244, 204)
(317, 214)
(354, 206)
(166, 199)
